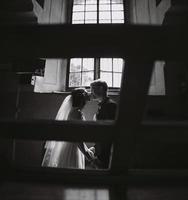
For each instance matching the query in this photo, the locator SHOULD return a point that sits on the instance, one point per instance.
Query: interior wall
(53, 12)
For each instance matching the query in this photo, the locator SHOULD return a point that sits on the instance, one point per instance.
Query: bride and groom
(72, 155)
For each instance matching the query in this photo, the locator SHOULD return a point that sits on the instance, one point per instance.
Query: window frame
(126, 11)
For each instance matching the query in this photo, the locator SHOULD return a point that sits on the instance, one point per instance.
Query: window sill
(110, 92)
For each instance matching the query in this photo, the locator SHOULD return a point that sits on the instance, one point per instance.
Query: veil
(62, 114)
(65, 109)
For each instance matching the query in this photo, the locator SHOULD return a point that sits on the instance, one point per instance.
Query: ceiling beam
(117, 40)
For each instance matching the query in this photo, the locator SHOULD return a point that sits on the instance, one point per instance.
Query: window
(111, 70)
(82, 71)
(98, 11)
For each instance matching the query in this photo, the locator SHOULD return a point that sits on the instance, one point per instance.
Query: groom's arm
(87, 152)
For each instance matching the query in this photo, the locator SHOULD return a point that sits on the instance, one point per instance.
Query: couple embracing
(73, 155)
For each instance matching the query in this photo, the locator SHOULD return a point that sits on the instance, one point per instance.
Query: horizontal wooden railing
(138, 177)
(58, 130)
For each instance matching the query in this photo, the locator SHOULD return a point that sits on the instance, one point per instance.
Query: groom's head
(79, 97)
(99, 89)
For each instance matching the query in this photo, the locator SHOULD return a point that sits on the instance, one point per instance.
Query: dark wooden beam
(114, 40)
(92, 131)
(75, 177)
(134, 90)
(58, 130)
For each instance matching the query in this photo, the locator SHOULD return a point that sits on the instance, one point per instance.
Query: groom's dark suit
(106, 111)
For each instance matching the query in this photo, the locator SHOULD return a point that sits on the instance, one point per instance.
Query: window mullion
(111, 11)
(112, 73)
(81, 71)
(68, 74)
(70, 14)
(125, 11)
(85, 12)
(97, 68)
(97, 11)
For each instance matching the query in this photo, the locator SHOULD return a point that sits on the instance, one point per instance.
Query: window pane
(91, 7)
(91, 15)
(106, 64)
(105, 21)
(91, 1)
(117, 6)
(117, 1)
(104, 2)
(78, 16)
(117, 79)
(107, 76)
(117, 65)
(90, 21)
(104, 15)
(88, 64)
(117, 21)
(75, 65)
(117, 15)
(78, 22)
(74, 79)
(104, 7)
(79, 2)
(87, 78)
(78, 8)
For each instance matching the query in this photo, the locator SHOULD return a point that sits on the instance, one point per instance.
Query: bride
(66, 154)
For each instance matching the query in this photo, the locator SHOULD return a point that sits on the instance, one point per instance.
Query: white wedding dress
(64, 154)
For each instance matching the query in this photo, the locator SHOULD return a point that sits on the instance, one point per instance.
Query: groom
(106, 111)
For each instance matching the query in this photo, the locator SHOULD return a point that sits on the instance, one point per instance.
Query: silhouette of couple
(73, 155)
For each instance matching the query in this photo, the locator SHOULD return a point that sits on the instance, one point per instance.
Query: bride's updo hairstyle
(79, 97)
